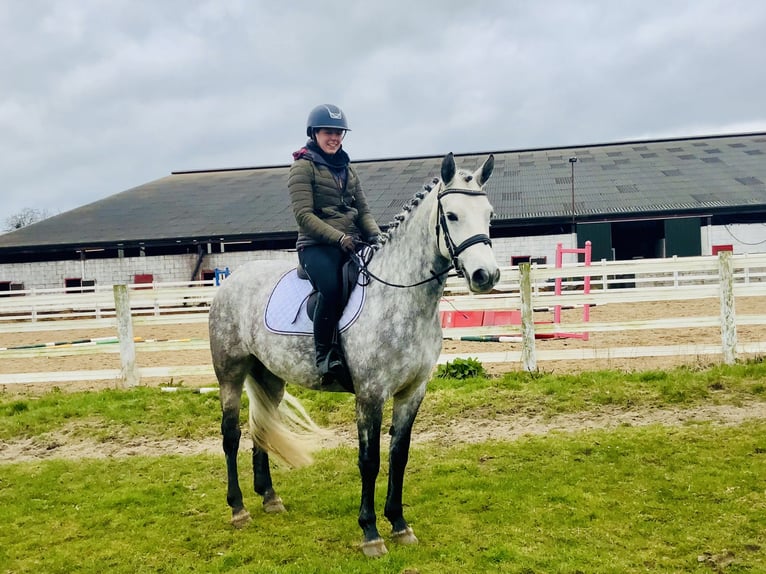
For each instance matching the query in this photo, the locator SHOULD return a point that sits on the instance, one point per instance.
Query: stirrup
(334, 370)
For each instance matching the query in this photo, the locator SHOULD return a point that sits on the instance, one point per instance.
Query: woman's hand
(346, 243)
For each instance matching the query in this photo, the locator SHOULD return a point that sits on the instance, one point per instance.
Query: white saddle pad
(286, 309)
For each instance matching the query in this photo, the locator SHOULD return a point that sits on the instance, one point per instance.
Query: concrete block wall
(538, 246)
(51, 274)
(165, 268)
(744, 238)
(235, 259)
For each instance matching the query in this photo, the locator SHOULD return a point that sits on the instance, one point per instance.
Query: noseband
(456, 250)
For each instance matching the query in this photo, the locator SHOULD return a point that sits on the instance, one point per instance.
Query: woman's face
(329, 140)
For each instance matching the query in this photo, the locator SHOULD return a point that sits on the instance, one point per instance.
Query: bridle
(441, 228)
(456, 250)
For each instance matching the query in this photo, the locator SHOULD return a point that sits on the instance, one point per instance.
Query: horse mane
(393, 226)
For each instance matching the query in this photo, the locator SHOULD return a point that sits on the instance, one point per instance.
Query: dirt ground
(602, 340)
(468, 431)
(59, 445)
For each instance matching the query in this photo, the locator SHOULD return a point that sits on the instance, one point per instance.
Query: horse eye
(451, 216)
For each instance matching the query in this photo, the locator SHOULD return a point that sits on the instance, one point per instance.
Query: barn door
(600, 237)
(683, 237)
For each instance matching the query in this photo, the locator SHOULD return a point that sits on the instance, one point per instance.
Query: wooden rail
(524, 289)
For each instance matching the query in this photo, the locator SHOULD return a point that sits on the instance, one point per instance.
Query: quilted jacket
(327, 199)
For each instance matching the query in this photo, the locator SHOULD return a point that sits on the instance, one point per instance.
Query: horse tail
(282, 428)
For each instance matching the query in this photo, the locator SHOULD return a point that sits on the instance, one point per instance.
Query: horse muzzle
(482, 280)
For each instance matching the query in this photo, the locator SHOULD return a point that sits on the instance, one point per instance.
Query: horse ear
(482, 174)
(448, 168)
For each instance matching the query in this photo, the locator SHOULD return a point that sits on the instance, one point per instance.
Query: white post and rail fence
(506, 315)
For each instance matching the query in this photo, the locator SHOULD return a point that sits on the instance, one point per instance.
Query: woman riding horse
(392, 344)
(332, 214)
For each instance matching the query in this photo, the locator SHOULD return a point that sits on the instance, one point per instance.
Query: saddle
(349, 276)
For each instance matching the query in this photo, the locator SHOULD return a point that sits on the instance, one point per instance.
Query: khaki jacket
(325, 211)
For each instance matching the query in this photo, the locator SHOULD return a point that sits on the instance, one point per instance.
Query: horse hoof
(274, 505)
(374, 548)
(405, 537)
(240, 518)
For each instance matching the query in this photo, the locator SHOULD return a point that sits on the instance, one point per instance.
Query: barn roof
(696, 175)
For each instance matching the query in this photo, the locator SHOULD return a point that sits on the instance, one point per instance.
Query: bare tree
(26, 216)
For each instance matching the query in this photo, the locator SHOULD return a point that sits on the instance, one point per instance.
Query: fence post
(728, 316)
(32, 294)
(130, 374)
(528, 357)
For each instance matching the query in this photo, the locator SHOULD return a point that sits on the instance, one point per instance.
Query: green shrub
(461, 369)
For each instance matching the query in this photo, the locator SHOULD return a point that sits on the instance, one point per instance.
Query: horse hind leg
(231, 380)
(262, 483)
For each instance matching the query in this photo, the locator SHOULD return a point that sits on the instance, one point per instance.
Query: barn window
(79, 285)
(516, 260)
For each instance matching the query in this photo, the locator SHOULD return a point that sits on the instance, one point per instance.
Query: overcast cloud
(100, 96)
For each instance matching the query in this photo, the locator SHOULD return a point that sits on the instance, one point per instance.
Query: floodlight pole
(572, 161)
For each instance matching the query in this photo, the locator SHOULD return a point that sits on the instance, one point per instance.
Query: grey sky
(100, 96)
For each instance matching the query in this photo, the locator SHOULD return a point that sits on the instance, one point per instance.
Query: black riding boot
(329, 356)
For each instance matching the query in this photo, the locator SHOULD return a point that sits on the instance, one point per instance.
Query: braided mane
(407, 209)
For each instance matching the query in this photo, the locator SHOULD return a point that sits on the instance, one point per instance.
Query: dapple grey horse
(391, 348)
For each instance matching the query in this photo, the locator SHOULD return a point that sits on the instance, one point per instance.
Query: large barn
(657, 198)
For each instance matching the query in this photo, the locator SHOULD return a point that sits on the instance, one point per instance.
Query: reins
(369, 275)
(441, 225)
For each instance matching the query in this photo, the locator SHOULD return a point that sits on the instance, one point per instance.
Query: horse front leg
(404, 412)
(369, 416)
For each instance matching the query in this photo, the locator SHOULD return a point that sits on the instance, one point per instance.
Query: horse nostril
(480, 277)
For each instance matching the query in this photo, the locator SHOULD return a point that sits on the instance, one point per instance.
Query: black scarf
(338, 160)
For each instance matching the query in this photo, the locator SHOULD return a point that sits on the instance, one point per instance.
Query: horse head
(463, 219)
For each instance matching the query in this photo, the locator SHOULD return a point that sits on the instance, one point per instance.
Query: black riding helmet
(326, 116)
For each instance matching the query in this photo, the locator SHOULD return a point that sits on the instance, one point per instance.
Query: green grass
(103, 415)
(546, 395)
(147, 412)
(633, 500)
